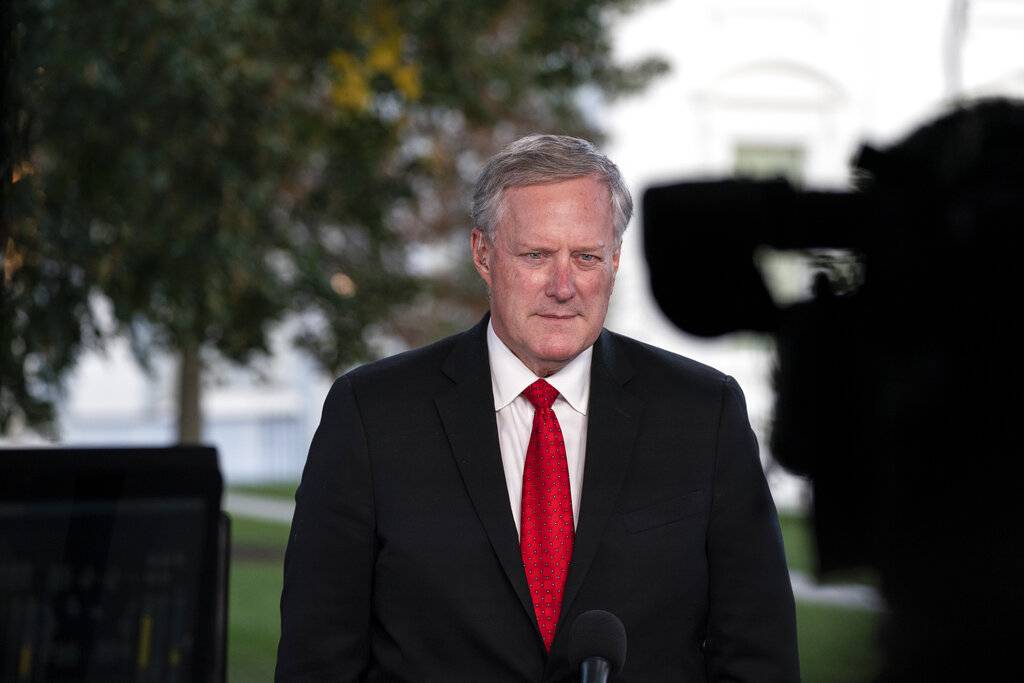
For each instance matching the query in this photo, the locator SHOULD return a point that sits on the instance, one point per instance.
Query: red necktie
(546, 519)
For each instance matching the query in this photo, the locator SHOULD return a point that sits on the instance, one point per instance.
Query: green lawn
(257, 553)
(837, 645)
(285, 491)
(796, 534)
(253, 626)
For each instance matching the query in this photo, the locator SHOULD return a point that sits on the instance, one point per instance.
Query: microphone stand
(595, 670)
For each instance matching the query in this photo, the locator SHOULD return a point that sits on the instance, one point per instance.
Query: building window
(787, 274)
(763, 162)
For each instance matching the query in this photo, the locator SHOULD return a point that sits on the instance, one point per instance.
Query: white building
(796, 86)
(795, 82)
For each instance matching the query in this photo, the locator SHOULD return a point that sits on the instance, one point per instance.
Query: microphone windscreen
(597, 633)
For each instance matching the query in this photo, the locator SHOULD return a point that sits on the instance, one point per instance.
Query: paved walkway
(853, 595)
(258, 507)
(805, 588)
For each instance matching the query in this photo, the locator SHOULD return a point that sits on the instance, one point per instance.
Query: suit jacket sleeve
(751, 632)
(328, 570)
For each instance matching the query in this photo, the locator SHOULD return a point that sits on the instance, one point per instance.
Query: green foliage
(211, 168)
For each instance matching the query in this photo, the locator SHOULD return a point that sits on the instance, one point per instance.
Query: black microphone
(597, 645)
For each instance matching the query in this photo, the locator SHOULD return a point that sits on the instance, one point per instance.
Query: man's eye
(587, 257)
(534, 254)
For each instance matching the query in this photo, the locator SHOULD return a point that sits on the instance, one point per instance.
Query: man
(434, 538)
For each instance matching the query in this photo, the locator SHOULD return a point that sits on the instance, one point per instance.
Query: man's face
(551, 270)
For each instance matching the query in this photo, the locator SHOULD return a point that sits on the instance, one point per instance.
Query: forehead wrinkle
(564, 216)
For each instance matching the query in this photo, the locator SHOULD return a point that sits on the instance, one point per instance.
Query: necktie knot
(541, 394)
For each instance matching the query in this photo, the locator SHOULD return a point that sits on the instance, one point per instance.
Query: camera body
(895, 397)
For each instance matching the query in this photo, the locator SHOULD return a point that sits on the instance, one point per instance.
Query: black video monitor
(112, 565)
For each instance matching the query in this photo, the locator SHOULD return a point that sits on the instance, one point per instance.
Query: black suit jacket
(403, 562)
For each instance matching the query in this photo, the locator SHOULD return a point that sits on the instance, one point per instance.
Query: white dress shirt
(514, 413)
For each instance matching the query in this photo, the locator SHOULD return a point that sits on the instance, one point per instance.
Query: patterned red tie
(546, 519)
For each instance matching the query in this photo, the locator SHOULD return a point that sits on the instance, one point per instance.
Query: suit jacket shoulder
(656, 372)
(425, 371)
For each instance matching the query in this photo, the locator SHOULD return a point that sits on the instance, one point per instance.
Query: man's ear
(481, 247)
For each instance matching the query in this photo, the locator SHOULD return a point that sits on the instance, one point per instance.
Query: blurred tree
(212, 167)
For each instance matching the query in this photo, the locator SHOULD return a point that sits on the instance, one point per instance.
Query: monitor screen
(112, 565)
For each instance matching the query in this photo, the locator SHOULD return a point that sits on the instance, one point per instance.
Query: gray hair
(538, 159)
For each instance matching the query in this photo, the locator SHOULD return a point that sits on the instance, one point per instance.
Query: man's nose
(560, 283)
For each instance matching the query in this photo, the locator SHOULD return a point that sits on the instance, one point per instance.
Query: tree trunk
(189, 413)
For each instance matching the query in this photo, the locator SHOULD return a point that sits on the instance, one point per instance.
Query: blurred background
(211, 209)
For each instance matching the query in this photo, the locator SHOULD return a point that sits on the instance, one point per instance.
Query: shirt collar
(509, 376)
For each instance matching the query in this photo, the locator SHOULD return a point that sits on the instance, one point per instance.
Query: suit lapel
(467, 413)
(613, 420)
